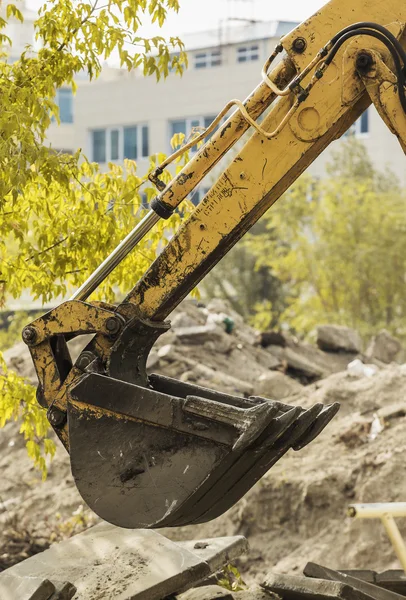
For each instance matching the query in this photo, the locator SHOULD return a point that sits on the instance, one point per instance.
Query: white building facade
(125, 115)
(132, 117)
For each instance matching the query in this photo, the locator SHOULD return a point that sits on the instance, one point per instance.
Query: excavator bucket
(173, 453)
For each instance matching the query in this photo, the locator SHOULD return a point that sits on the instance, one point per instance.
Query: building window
(190, 126)
(114, 144)
(144, 141)
(99, 145)
(360, 127)
(118, 143)
(130, 142)
(64, 100)
(209, 58)
(248, 53)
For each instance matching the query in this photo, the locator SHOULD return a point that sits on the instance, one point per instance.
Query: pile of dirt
(297, 512)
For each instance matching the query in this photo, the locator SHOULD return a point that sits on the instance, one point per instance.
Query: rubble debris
(124, 564)
(357, 434)
(291, 587)
(313, 570)
(322, 583)
(395, 411)
(209, 592)
(215, 592)
(384, 347)
(26, 589)
(357, 368)
(394, 579)
(271, 338)
(336, 338)
(201, 334)
(295, 514)
(19, 542)
(376, 428)
(277, 386)
(298, 364)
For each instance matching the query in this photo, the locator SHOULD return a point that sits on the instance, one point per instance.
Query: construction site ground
(297, 512)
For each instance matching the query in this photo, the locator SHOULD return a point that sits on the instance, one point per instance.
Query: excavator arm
(149, 451)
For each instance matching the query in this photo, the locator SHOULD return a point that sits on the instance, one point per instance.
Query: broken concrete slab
(272, 338)
(370, 589)
(202, 334)
(291, 587)
(336, 338)
(215, 592)
(255, 594)
(212, 550)
(276, 386)
(184, 319)
(122, 564)
(363, 574)
(208, 592)
(384, 347)
(297, 362)
(394, 579)
(64, 591)
(34, 588)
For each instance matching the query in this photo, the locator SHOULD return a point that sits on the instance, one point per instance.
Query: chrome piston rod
(115, 258)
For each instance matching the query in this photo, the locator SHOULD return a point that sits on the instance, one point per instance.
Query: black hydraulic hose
(342, 38)
(376, 27)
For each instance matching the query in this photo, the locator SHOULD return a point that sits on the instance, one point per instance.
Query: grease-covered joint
(113, 326)
(56, 417)
(85, 359)
(161, 208)
(364, 62)
(29, 335)
(299, 45)
(41, 397)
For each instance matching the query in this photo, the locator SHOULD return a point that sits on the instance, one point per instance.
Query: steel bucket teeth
(142, 458)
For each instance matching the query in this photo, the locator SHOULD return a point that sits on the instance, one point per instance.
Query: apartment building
(125, 115)
(133, 117)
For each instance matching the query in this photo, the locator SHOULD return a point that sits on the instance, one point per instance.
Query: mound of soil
(297, 512)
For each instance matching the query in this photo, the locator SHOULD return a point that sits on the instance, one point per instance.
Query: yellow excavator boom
(149, 451)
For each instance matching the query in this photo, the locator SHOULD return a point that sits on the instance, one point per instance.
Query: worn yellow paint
(381, 84)
(264, 169)
(229, 133)
(71, 317)
(336, 15)
(259, 174)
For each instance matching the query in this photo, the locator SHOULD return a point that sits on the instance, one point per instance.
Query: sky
(199, 15)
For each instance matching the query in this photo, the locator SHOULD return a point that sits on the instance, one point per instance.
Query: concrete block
(336, 338)
(112, 563)
(209, 592)
(35, 588)
(291, 587)
(373, 591)
(394, 580)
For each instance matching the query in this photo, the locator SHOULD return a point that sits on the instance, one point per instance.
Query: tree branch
(47, 249)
